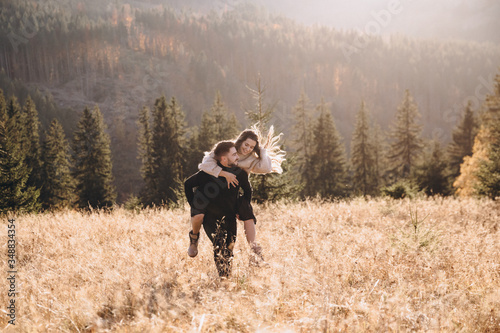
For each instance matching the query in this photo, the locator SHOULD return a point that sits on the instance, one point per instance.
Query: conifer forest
(115, 102)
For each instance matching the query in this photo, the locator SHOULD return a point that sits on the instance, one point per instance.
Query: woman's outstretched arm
(263, 164)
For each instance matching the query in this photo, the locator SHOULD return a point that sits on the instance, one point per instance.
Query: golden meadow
(375, 265)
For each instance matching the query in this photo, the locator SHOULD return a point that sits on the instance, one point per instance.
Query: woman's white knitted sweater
(249, 163)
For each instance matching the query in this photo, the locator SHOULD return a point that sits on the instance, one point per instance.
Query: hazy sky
(457, 19)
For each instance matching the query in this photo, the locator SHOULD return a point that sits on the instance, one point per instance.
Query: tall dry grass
(349, 266)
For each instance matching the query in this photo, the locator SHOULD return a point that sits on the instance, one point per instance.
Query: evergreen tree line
(51, 173)
(95, 49)
(397, 163)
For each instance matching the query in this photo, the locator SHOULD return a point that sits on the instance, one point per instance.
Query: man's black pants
(222, 232)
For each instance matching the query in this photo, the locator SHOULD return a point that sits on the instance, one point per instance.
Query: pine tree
(407, 144)
(462, 140)
(478, 173)
(165, 154)
(194, 155)
(58, 185)
(363, 155)
(92, 161)
(379, 155)
(467, 182)
(303, 139)
(262, 114)
(431, 177)
(216, 125)
(145, 146)
(33, 150)
(232, 127)
(303, 129)
(177, 138)
(489, 168)
(273, 186)
(276, 186)
(15, 194)
(328, 161)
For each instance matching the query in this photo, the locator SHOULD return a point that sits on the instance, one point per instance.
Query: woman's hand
(230, 177)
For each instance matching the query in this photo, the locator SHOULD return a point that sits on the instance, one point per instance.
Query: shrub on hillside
(401, 189)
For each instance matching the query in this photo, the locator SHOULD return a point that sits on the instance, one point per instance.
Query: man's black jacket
(212, 194)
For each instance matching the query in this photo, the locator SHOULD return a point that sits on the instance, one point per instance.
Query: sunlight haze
(448, 19)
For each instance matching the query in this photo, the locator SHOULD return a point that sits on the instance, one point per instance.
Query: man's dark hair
(222, 148)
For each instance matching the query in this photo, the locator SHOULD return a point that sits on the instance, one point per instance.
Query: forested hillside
(122, 55)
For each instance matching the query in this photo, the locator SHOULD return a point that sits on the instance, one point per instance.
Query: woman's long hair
(248, 134)
(269, 142)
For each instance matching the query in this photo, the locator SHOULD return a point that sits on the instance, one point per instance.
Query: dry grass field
(351, 266)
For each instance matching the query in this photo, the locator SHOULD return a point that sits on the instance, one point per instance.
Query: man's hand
(230, 177)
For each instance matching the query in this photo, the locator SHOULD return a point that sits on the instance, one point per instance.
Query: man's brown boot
(193, 244)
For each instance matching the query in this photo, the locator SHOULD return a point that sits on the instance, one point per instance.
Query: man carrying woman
(218, 203)
(255, 156)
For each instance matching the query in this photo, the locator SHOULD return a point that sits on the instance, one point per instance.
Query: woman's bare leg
(250, 231)
(256, 257)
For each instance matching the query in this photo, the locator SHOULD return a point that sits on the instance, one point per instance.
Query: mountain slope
(123, 55)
